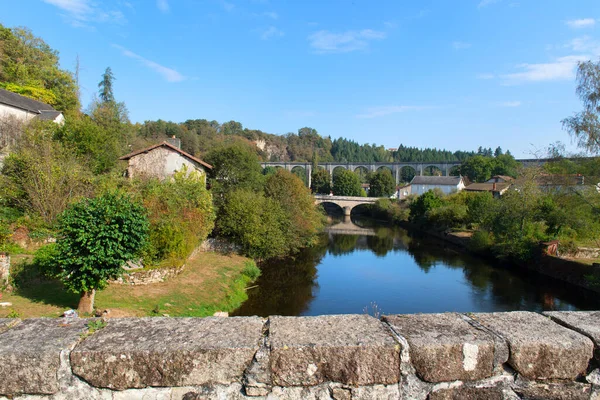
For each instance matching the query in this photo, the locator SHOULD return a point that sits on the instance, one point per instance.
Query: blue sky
(446, 74)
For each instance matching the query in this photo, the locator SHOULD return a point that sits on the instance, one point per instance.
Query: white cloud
(390, 24)
(329, 42)
(581, 23)
(80, 13)
(270, 33)
(375, 112)
(584, 44)
(485, 3)
(271, 14)
(170, 75)
(562, 68)
(163, 5)
(460, 45)
(509, 104)
(486, 76)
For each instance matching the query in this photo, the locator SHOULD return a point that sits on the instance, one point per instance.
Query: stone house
(447, 184)
(161, 161)
(25, 109)
(497, 185)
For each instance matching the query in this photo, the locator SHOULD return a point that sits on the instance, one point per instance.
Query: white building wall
(6, 111)
(447, 189)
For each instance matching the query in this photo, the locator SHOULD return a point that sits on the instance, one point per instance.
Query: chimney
(173, 141)
(494, 187)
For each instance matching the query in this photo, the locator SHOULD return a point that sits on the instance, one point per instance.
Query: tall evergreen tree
(106, 86)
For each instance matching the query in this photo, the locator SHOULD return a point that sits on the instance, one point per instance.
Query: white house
(447, 184)
(161, 161)
(25, 109)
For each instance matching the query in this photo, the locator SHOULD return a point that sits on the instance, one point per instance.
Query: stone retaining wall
(512, 355)
(148, 276)
(4, 268)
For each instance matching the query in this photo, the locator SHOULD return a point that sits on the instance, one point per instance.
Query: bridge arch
(346, 203)
(433, 170)
(407, 173)
(362, 173)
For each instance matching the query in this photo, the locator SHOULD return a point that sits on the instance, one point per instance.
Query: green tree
(424, 203)
(105, 86)
(381, 184)
(96, 237)
(584, 126)
(321, 181)
(235, 166)
(30, 67)
(346, 183)
(477, 168)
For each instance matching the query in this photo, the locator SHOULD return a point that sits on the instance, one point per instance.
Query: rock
(30, 354)
(467, 393)
(208, 392)
(139, 352)
(320, 392)
(70, 314)
(349, 349)
(257, 379)
(8, 323)
(594, 377)
(221, 314)
(540, 348)
(584, 322)
(339, 393)
(143, 394)
(379, 392)
(548, 390)
(5, 304)
(445, 347)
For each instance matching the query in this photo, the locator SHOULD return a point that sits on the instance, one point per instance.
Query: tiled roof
(487, 187)
(436, 180)
(169, 146)
(22, 102)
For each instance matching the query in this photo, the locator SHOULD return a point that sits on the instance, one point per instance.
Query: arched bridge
(347, 203)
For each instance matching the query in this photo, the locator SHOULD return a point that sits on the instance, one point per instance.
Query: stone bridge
(503, 355)
(347, 227)
(346, 203)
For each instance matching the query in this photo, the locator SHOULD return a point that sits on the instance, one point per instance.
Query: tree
(30, 67)
(424, 203)
(321, 181)
(381, 184)
(477, 168)
(585, 125)
(346, 183)
(96, 238)
(105, 86)
(498, 151)
(235, 166)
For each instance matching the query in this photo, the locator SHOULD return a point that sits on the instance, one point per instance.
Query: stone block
(379, 392)
(584, 322)
(319, 392)
(141, 352)
(540, 348)
(549, 390)
(7, 323)
(445, 347)
(467, 393)
(350, 349)
(30, 354)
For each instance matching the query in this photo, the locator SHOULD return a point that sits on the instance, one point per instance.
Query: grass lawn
(210, 282)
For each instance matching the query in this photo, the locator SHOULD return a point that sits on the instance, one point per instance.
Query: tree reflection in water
(290, 286)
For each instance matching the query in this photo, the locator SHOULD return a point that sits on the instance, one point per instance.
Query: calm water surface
(356, 267)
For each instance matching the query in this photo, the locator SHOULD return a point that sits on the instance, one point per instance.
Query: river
(361, 267)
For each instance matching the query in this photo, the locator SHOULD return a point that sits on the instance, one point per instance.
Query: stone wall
(512, 355)
(4, 268)
(148, 276)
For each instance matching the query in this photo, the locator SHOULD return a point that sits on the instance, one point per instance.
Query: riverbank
(210, 282)
(576, 273)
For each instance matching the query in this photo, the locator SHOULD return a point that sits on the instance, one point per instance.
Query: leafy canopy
(96, 237)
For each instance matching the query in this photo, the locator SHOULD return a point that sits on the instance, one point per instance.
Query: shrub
(447, 216)
(346, 183)
(427, 201)
(481, 241)
(251, 270)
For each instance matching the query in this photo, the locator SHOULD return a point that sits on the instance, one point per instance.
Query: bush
(251, 270)
(346, 183)
(181, 216)
(424, 203)
(481, 241)
(447, 216)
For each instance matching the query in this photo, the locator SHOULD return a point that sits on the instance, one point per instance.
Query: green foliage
(253, 221)
(269, 171)
(234, 167)
(390, 209)
(481, 241)
(321, 181)
(13, 314)
(251, 270)
(96, 237)
(585, 125)
(423, 204)
(180, 212)
(481, 168)
(346, 183)
(382, 183)
(105, 86)
(29, 66)
(447, 216)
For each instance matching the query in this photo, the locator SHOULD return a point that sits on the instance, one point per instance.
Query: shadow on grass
(48, 292)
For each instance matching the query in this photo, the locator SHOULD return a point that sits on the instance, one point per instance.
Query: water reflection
(403, 273)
